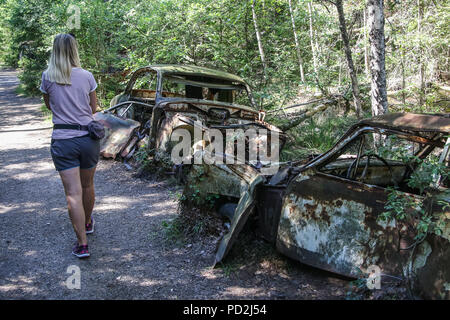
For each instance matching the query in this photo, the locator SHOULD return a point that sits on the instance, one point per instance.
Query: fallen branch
(294, 106)
(308, 114)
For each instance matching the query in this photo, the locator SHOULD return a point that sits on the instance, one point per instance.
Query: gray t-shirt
(70, 103)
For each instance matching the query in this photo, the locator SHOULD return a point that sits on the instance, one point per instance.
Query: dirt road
(131, 257)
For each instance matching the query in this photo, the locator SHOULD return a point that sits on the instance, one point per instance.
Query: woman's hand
(93, 101)
(47, 101)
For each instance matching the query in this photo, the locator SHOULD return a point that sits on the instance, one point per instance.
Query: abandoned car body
(160, 99)
(326, 212)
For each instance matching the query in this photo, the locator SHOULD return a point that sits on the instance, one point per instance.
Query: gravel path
(130, 255)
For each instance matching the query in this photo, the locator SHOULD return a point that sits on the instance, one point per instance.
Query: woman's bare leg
(74, 196)
(87, 185)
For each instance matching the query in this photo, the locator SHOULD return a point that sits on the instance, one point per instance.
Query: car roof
(406, 122)
(410, 122)
(196, 71)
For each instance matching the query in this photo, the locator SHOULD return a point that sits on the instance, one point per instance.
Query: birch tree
(378, 91)
(258, 38)
(366, 50)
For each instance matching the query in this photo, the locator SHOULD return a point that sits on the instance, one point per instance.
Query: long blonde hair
(64, 56)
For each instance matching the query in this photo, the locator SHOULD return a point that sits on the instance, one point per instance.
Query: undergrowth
(192, 224)
(315, 137)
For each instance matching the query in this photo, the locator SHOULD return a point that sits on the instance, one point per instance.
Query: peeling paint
(341, 245)
(423, 251)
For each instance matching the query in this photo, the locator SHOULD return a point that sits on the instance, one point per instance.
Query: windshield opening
(204, 88)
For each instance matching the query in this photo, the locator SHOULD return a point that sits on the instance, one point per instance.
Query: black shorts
(70, 153)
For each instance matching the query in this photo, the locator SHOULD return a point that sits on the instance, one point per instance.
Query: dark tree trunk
(348, 54)
(377, 57)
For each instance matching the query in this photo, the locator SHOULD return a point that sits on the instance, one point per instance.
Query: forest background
(289, 51)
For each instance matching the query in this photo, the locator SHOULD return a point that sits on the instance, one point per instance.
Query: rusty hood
(411, 122)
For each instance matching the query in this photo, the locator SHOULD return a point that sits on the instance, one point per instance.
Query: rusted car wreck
(160, 99)
(325, 212)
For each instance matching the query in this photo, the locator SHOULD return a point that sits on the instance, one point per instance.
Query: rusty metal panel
(331, 223)
(195, 70)
(430, 261)
(117, 133)
(430, 268)
(243, 210)
(217, 180)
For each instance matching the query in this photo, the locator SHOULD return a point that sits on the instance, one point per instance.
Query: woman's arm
(47, 101)
(93, 101)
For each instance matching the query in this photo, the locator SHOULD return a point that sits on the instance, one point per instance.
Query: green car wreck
(160, 99)
(378, 201)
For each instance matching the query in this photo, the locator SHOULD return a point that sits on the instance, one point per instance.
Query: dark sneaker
(90, 226)
(80, 251)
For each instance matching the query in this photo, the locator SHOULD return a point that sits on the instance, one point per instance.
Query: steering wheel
(351, 174)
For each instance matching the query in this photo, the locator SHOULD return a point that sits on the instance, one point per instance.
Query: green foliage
(27, 32)
(191, 224)
(426, 173)
(152, 161)
(116, 36)
(228, 268)
(142, 156)
(356, 289)
(193, 196)
(403, 206)
(397, 206)
(173, 230)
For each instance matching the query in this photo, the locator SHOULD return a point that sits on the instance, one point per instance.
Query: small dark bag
(96, 129)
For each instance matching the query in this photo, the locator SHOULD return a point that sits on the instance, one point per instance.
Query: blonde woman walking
(69, 92)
